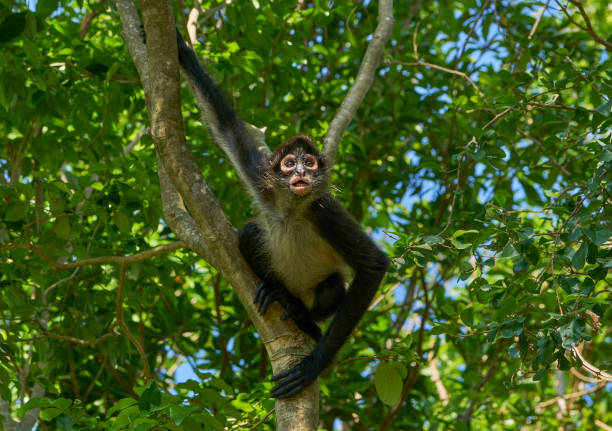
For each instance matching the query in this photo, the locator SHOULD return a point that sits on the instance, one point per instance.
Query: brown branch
(498, 116)
(443, 69)
(570, 396)
(125, 329)
(538, 19)
(123, 260)
(471, 32)
(120, 379)
(218, 318)
(587, 366)
(587, 27)
(602, 425)
(285, 344)
(582, 377)
(437, 379)
(138, 257)
(76, 340)
(93, 381)
(456, 193)
(73, 378)
(362, 82)
(540, 145)
(262, 420)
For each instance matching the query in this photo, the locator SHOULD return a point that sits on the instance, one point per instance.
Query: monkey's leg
(329, 294)
(251, 244)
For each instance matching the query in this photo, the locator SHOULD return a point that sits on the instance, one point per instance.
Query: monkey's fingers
(294, 380)
(260, 291)
(264, 296)
(265, 303)
(290, 385)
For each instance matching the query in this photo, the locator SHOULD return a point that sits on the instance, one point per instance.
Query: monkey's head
(299, 167)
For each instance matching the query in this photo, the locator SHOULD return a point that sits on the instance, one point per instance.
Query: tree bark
(192, 210)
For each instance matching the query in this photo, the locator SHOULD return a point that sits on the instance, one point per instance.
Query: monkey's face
(301, 169)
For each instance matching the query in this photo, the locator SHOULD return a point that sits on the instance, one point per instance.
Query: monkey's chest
(302, 259)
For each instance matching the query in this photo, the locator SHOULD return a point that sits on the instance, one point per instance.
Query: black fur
(314, 218)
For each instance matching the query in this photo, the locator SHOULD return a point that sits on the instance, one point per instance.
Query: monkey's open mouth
(300, 187)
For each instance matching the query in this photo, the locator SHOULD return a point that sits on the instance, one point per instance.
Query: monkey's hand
(269, 291)
(293, 380)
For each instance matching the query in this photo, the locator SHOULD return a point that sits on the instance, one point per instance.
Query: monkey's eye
(311, 163)
(287, 165)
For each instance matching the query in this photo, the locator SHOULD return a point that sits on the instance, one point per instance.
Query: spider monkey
(302, 243)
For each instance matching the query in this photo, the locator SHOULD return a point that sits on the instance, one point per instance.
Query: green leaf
(388, 383)
(61, 403)
(12, 26)
(467, 316)
(33, 403)
(571, 334)
(121, 405)
(592, 254)
(605, 108)
(179, 413)
(509, 250)
(598, 235)
(149, 398)
(122, 221)
(540, 374)
(61, 228)
(459, 245)
(580, 256)
(50, 413)
(460, 232)
(605, 156)
(512, 328)
(514, 352)
(143, 424)
(433, 239)
(598, 273)
(16, 211)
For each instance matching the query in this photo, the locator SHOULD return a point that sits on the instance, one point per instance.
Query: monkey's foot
(293, 380)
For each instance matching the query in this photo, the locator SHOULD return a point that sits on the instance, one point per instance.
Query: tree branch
(587, 23)
(205, 228)
(362, 83)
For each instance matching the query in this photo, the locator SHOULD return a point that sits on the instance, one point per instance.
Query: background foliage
(480, 158)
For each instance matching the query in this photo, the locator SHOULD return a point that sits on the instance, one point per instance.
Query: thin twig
(538, 19)
(76, 340)
(570, 396)
(540, 145)
(219, 319)
(587, 27)
(471, 32)
(262, 420)
(123, 326)
(443, 69)
(497, 117)
(602, 425)
(587, 366)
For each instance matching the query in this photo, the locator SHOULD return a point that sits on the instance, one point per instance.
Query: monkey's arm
(226, 128)
(369, 263)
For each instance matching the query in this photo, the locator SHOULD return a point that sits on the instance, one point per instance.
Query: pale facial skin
(301, 169)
